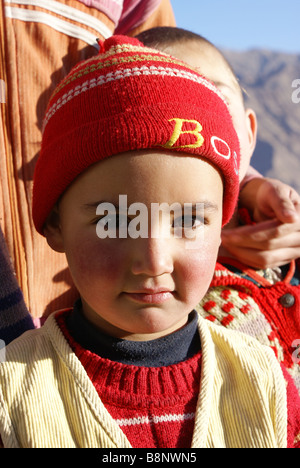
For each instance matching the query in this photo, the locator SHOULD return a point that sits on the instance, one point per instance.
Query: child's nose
(152, 257)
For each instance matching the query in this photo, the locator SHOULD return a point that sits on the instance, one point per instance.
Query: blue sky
(243, 24)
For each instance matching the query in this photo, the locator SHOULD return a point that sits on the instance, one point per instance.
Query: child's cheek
(197, 272)
(95, 260)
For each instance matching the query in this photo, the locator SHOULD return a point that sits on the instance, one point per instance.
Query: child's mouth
(150, 297)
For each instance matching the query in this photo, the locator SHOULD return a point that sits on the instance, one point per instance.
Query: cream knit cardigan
(47, 399)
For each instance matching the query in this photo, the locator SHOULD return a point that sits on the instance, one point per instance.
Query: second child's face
(209, 62)
(141, 288)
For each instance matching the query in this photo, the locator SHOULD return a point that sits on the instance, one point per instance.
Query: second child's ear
(251, 123)
(52, 231)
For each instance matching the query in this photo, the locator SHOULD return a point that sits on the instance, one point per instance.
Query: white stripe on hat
(125, 73)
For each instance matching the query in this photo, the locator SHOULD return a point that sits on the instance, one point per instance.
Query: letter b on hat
(197, 137)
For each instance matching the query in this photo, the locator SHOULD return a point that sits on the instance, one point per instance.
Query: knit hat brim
(128, 105)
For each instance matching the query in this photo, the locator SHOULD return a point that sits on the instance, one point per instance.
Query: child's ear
(52, 231)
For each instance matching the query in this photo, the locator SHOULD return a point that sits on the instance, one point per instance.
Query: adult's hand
(275, 238)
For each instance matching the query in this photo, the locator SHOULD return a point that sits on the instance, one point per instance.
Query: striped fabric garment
(14, 316)
(154, 421)
(59, 16)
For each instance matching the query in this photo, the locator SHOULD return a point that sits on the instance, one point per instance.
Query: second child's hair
(162, 37)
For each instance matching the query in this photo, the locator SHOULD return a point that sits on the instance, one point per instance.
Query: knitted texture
(48, 400)
(293, 400)
(238, 303)
(14, 316)
(154, 406)
(132, 98)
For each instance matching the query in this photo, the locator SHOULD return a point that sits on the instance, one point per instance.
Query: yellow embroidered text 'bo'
(178, 131)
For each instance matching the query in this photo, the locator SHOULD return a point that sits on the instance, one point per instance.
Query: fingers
(275, 238)
(262, 259)
(267, 244)
(264, 235)
(275, 199)
(285, 204)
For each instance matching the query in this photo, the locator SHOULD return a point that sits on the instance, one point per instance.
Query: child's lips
(157, 296)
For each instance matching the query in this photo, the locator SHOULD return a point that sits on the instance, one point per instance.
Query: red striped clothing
(155, 407)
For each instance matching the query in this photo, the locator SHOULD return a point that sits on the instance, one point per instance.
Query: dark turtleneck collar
(168, 350)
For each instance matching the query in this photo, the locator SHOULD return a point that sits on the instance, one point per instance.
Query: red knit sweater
(240, 299)
(155, 407)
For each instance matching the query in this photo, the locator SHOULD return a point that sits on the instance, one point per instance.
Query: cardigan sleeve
(293, 409)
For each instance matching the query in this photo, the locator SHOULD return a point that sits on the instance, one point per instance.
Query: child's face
(208, 61)
(141, 288)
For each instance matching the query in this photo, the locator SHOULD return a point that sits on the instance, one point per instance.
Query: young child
(50, 38)
(263, 303)
(132, 365)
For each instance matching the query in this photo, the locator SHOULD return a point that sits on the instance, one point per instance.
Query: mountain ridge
(268, 78)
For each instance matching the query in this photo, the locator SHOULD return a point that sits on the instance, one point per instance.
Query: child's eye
(188, 222)
(112, 222)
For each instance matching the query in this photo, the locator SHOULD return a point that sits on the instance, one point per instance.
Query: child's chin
(152, 324)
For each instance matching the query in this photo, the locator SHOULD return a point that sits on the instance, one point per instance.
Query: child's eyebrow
(206, 205)
(93, 205)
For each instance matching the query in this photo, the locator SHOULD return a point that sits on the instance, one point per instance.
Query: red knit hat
(129, 97)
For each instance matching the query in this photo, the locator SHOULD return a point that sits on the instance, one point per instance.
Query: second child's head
(137, 174)
(208, 60)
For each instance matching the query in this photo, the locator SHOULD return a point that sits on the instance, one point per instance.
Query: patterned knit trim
(238, 311)
(101, 64)
(263, 278)
(222, 272)
(238, 304)
(125, 54)
(118, 75)
(155, 419)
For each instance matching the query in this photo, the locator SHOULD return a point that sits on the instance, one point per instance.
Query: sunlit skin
(144, 288)
(271, 243)
(208, 61)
